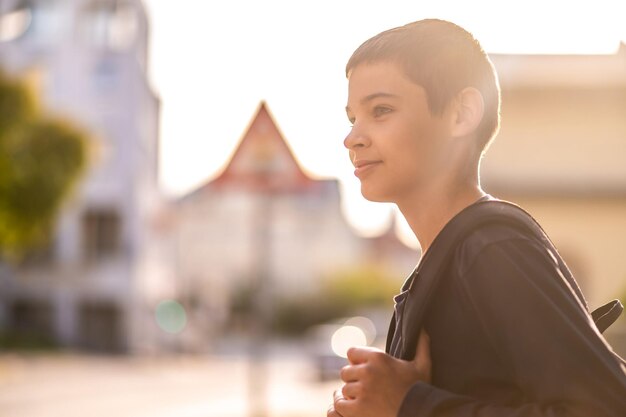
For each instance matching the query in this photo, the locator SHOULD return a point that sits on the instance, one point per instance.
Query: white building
(105, 270)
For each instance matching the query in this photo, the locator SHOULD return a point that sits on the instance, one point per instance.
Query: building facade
(87, 60)
(561, 153)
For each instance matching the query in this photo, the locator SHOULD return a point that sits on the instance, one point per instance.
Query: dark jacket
(509, 336)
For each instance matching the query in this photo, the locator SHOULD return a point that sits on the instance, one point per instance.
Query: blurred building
(561, 153)
(264, 224)
(107, 264)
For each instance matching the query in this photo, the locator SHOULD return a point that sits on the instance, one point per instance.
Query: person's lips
(362, 166)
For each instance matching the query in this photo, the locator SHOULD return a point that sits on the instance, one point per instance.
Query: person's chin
(372, 195)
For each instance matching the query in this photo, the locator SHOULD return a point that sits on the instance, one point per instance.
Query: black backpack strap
(606, 315)
(436, 260)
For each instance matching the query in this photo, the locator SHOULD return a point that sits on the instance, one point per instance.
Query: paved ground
(73, 385)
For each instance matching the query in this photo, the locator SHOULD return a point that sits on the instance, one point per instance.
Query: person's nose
(355, 139)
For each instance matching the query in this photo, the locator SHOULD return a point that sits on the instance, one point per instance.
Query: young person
(507, 331)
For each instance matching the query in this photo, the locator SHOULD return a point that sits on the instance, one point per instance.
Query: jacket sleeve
(532, 318)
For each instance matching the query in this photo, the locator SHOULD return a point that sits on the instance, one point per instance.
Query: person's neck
(429, 212)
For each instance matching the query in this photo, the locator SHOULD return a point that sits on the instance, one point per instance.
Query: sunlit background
(212, 63)
(182, 233)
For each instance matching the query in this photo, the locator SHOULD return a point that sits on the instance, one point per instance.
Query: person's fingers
(331, 412)
(350, 373)
(344, 407)
(352, 390)
(337, 395)
(358, 355)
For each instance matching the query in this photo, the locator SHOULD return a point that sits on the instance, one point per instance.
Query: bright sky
(212, 62)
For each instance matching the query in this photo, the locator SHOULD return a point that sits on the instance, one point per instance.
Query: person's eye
(351, 120)
(381, 111)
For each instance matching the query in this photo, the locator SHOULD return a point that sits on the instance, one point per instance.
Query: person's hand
(331, 410)
(376, 383)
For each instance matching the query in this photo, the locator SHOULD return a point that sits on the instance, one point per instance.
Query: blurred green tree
(362, 286)
(344, 293)
(41, 159)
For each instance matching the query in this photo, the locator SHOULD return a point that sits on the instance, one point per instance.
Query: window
(105, 74)
(33, 319)
(44, 21)
(101, 234)
(111, 24)
(14, 22)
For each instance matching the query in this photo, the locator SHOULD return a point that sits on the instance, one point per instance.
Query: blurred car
(327, 343)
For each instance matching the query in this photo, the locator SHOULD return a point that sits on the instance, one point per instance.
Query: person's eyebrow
(372, 96)
(377, 95)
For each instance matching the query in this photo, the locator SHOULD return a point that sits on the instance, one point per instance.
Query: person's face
(395, 144)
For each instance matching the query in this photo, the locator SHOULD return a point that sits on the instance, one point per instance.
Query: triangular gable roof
(263, 160)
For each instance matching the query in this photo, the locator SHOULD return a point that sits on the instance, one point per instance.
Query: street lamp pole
(261, 305)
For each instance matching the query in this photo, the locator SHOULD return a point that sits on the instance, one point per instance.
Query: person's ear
(469, 110)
